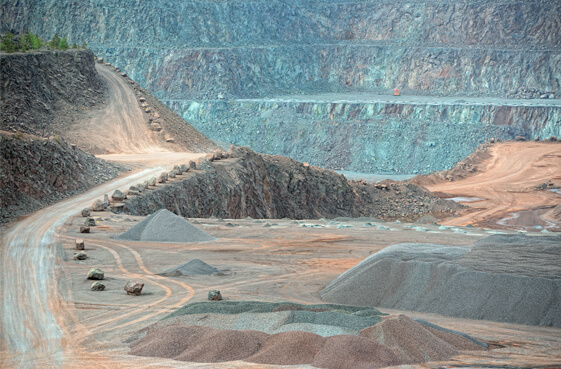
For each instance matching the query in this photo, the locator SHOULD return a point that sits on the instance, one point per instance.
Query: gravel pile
(194, 267)
(244, 330)
(395, 341)
(415, 342)
(502, 278)
(164, 226)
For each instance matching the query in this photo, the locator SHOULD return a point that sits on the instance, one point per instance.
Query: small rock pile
(531, 93)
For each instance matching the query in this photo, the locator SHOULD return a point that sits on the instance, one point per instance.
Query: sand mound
(494, 279)
(393, 341)
(354, 352)
(194, 267)
(288, 348)
(415, 342)
(164, 226)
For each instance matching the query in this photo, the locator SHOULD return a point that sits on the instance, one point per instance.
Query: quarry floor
(284, 262)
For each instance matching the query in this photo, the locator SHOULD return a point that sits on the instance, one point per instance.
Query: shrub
(63, 44)
(9, 43)
(55, 41)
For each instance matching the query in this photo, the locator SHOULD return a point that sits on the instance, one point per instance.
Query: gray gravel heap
(164, 226)
(193, 267)
(498, 278)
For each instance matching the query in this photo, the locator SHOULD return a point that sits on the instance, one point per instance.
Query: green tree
(74, 46)
(8, 43)
(55, 41)
(84, 45)
(63, 44)
(34, 41)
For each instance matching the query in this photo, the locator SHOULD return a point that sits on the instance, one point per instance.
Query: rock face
(37, 86)
(264, 186)
(216, 53)
(36, 172)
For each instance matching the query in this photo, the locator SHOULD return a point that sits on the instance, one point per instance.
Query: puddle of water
(528, 220)
(465, 199)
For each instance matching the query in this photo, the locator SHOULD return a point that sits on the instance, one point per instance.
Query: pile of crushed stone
(193, 267)
(164, 226)
(507, 278)
(394, 340)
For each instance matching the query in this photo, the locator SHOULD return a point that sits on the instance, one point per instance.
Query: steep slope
(37, 172)
(200, 58)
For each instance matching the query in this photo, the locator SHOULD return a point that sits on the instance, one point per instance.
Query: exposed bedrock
(369, 137)
(265, 186)
(41, 90)
(263, 70)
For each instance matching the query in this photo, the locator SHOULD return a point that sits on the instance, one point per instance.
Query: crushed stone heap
(506, 278)
(193, 267)
(164, 226)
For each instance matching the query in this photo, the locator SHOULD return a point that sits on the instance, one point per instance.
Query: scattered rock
(184, 168)
(97, 286)
(117, 196)
(81, 255)
(89, 222)
(106, 202)
(97, 205)
(155, 127)
(520, 138)
(85, 212)
(214, 295)
(152, 181)
(134, 288)
(84, 229)
(172, 174)
(192, 165)
(95, 273)
(117, 208)
(163, 177)
(79, 244)
(177, 170)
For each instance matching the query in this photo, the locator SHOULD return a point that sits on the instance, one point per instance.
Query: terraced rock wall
(194, 50)
(369, 137)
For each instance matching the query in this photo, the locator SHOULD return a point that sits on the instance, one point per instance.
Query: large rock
(134, 288)
(117, 196)
(80, 255)
(95, 273)
(84, 229)
(89, 222)
(214, 295)
(97, 286)
(79, 244)
(97, 205)
(85, 212)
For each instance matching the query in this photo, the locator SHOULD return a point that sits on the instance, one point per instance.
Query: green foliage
(55, 41)
(74, 46)
(8, 43)
(33, 40)
(84, 45)
(63, 44)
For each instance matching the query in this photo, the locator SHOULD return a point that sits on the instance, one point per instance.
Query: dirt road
(505, 183)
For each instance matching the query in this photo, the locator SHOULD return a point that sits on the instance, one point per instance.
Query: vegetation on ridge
(11, 42)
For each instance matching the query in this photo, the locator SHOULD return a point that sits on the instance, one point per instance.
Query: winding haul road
(35, 322)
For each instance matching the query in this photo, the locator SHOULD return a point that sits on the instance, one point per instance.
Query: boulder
(84, 229)
(177, 169)
(172, 174)
(217, 154)
(117, 208)
(97, 205)
(89, 222)
(106, 202)
(520, 138)
(86, 212)
(134, 288)
(156, 127)
(79, 244)
(141, 99)
(152, 181)
(97, 286)
(95, 273)
(214, 295)
(192, 165)
(81, 255)
(233, 151)
(117, 196)
(133, 191)
(163, 177)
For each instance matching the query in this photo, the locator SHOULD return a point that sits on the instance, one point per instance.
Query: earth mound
(193, 267)
(395, 340)
(507, 278)
(164, 226)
